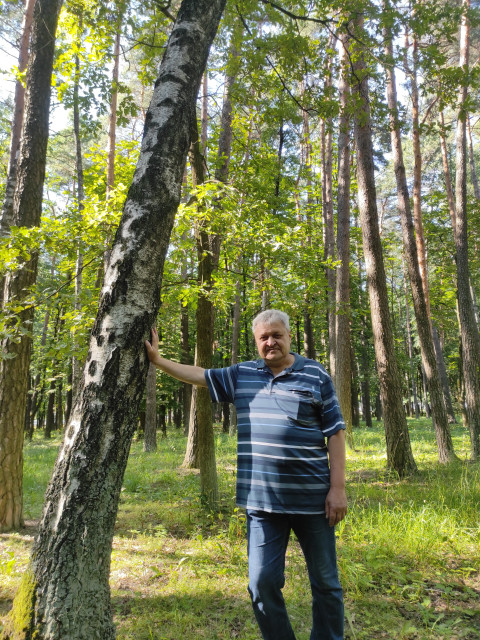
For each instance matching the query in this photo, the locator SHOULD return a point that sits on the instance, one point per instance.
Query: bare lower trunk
(150, 430)
(65, 591)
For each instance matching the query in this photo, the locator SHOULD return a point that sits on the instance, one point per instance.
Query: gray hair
(269, 316)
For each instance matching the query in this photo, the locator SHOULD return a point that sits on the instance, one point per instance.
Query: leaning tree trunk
(399, 451)
(424, 327)
(14, 370)
(65, 590)
(468, 326)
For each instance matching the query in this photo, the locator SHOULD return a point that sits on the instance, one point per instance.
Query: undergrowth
(408, 550)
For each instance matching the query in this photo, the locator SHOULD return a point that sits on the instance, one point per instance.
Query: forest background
(356, 213)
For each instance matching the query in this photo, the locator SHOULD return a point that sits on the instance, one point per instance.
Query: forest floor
(408, 551)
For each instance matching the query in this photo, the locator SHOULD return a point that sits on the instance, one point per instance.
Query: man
(291, 470)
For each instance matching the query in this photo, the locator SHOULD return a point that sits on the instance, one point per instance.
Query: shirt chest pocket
(301, 404)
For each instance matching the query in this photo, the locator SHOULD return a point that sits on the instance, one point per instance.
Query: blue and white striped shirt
(282, 461)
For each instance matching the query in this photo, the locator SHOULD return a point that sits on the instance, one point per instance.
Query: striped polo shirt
(283, 421)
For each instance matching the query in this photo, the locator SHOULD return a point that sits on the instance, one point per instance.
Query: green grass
(409, 550)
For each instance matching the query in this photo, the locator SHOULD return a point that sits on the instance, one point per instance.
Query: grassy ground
(408, 551)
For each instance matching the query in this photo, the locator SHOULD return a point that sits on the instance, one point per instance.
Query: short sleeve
(332, 419)
(222, 383)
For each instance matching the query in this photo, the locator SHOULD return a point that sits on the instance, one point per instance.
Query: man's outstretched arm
(184, 372)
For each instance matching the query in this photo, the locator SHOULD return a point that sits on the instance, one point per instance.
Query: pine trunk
(399, 452)
(65, 591)
(17, 122)
(27, 210)
(343, 372)
(468, 326)
(419, 285)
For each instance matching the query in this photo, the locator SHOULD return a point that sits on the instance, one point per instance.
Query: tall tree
(424, 326)
(201, 444)
(418, 220)
(399, 451)
(342, 333)
(468, 325)
(65, 589)
(14, 368)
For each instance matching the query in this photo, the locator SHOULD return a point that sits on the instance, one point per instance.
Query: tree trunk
(65, 590)
(419, 231)
(201, 444)
(308, 332)
(471, 157)
(468, 326)
(76, 365)
(27, 210)
(399, 452)
(443, 376)
(6, 216)
(343, 372)
(418, 284)
(150, 432)
(328, 222)
(410, 353)
(355, 407)
(185, 359)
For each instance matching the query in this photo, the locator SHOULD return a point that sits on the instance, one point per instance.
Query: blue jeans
(268, 535)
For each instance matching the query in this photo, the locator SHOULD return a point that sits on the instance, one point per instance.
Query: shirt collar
(297, 365)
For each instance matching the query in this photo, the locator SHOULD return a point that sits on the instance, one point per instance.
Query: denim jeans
(268, 535)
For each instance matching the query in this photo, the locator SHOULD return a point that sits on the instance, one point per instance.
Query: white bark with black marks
(70, 564)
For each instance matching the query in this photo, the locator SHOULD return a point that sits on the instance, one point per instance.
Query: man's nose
(271, 341)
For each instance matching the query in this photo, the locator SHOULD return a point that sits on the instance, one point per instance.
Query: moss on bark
(19, 623)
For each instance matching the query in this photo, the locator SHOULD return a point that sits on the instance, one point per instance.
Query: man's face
(273, 343)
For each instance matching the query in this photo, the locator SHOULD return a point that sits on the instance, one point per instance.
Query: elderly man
(291, 470)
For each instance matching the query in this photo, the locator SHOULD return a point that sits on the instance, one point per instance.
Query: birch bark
(65, 590)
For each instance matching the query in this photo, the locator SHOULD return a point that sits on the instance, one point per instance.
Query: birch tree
(65, 589)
